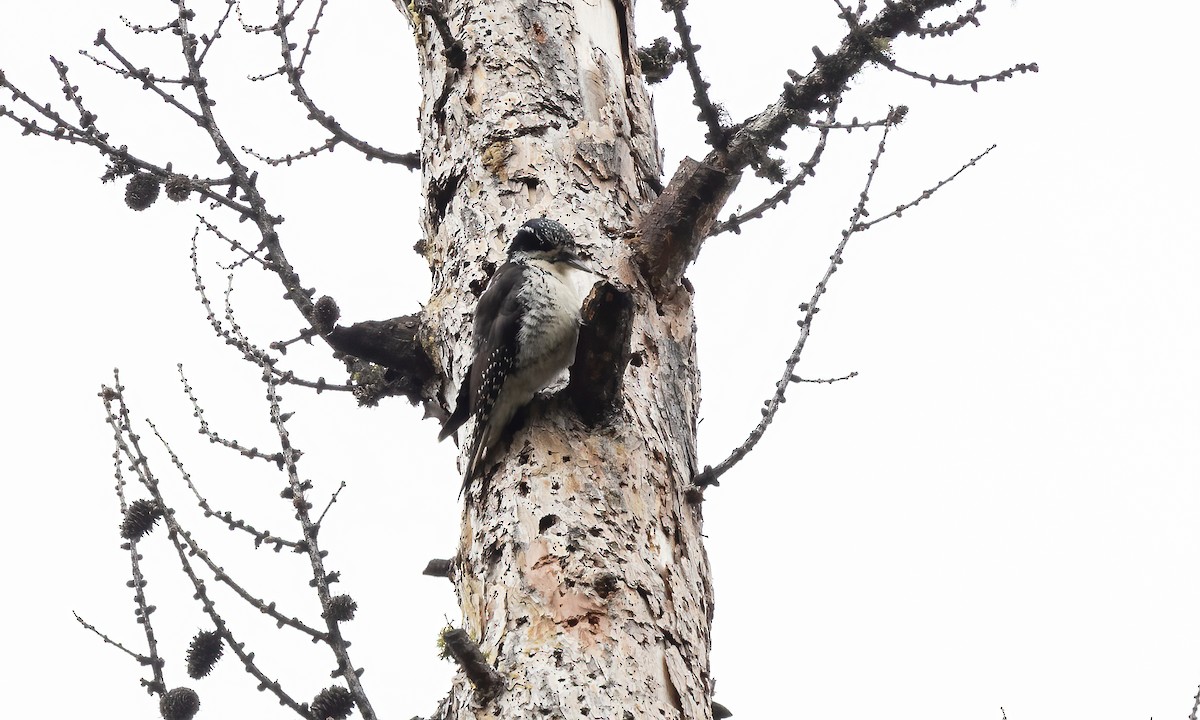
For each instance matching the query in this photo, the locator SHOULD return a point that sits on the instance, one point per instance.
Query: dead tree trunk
(581, 572)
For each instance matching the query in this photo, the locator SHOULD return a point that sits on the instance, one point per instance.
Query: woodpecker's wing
(486, 313)
(497, 321)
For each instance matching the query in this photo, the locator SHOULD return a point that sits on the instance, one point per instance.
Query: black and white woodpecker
(526, 327)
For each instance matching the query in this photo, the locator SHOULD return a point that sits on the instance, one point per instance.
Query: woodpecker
(526, 326)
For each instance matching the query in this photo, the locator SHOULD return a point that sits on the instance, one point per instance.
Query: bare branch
(470, 658)
(209, 41)
(711, 475)
(438, 567)
(87, 134)
(234, 245)
(238, 191)
(150, 29)
(185, 546)
(674, 228)
(290, 158)
(854, 124)
(246, 181)
(121, 428)
(262, 606)
(260, 537)
(293, 72)
(321, 578)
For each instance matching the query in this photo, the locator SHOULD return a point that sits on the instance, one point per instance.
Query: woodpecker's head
(548, 240)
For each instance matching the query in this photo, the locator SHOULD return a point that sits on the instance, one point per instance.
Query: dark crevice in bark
(622, 10)
(441, 194)
(602, 353)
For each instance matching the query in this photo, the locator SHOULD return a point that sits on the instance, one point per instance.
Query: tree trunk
(581, 571)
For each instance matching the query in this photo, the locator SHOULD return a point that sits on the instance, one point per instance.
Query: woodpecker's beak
(569, 258)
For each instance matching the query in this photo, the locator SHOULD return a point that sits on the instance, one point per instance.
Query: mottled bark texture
(581, 573)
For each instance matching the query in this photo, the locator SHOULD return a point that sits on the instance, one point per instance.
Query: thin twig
(332, 499)
(235, 246)
(825, 381)
(925, 195)
(854, 124)
(142, 659)
(246, 180)
(948, 28)
(951, 80)
(151, 29)
(211, 40)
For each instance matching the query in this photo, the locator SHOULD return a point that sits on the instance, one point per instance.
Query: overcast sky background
(1002, 509)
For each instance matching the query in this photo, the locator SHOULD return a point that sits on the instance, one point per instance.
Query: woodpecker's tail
(479, 448)
(461, 410)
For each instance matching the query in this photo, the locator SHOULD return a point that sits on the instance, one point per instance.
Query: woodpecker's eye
(527, 240)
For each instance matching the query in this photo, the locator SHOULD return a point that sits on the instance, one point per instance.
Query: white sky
(1003, 509)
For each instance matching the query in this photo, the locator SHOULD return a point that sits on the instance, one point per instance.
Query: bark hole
(441, 194)
(546, 523)
(478, 285)
(606, 585)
